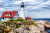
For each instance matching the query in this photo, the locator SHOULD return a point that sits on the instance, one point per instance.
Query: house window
(7, 14)
(12, 14)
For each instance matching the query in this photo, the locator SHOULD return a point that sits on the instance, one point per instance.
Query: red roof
(12, 14)
(27, 17)
(19, 17)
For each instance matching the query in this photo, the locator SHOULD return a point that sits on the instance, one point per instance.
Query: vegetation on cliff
(11, 24)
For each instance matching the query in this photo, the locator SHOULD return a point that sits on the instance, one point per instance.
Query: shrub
(33, 23)
(12, 20)
(15, 21)
(19, 19)
(17, 26)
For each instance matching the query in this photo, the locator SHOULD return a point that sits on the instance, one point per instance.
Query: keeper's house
(7, 15)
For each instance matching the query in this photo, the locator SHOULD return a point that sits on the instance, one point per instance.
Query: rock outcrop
(41, 25)
(26, 29)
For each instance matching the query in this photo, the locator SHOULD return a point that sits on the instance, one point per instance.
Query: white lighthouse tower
(22, 10)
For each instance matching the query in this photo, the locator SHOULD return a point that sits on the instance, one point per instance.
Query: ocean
(0, 19)
(37, 19)
(44, 19)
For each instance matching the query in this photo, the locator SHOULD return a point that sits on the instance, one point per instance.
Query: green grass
(33, 23)
(1, 21)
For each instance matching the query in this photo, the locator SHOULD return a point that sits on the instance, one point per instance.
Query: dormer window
(12, 14)
(7, 14)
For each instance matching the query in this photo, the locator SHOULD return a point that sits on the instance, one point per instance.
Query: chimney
(6, 10)
(13, 10)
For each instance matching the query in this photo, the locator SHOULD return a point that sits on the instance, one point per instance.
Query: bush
(12, 20)
(17, 26)
(19, 19)
(33, 23)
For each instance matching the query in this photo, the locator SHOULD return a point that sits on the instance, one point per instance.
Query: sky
(33, 8)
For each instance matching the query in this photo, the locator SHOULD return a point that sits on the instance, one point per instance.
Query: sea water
(44, 19)
(0, 19)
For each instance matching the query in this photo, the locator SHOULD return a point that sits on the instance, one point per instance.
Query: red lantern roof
(19, 17)
(27, 17)
(12, 14)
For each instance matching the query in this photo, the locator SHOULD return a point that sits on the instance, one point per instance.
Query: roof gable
(12, 14)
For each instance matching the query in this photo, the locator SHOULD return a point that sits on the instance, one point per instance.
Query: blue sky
(33, 8)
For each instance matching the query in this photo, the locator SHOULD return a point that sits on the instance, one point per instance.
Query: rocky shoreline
(24, 27)
(43, 25)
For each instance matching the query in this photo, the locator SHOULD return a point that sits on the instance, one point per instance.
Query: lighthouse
(22, 10)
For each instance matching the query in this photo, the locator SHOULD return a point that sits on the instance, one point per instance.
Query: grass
(1, 21)
(33, 23)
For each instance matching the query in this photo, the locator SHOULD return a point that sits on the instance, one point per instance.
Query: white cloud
(12, 8)
(2, 9)
(42, 5)
(6, 4)
(28, 0)
(16, 2)
(7, 7)
(30, 9)
(46, 3)
(1, 1)
(38, 14)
